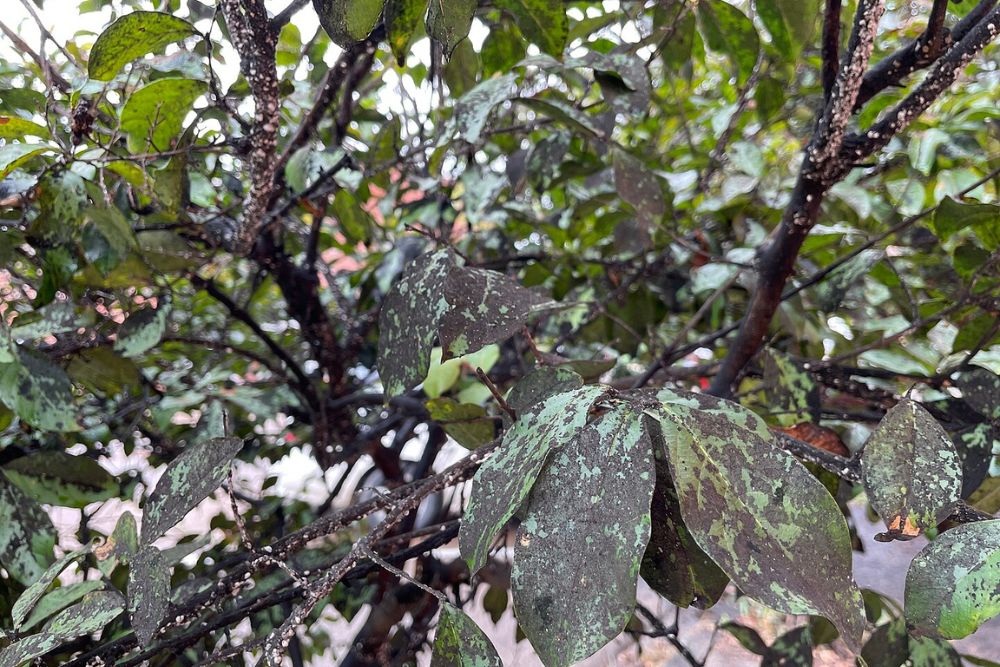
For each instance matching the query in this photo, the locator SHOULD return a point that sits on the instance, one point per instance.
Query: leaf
(58, 599)
(832, 290)
(142, 330)
(402, 19)
(154, 115)
(758, 513)
(408, 322)
(911, 470)
(891, 646)
(449, 22)
(748, 638)
(33, 593)
(62, 198)
(148, 592)
(504, 481)
(540, 384)
(58, 478)
(120, 546)
(674, 565)
(100, 370)
(580, 544)
(792, 649)
(502, 49)
(728, 31)
(468, 424)
(543, 22)
(792, 394)
(13, 156)
(188, 480)
(484, 307)
(132, 36)
(57, 317)
(348, 21)
(459, 642)
(472, 110)
(28, 648)
(38, 392)
(562, 110)
(26, 535)
(92, 614)
(981, 391)
(638, 186)
(15, 127)
(952, 216)
(792, 24)
(953, 584)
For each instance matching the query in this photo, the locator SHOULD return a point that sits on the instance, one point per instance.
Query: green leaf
(62, 199)
(758, 512)
(408, 322)
(154, 115)
(441, 376)
(26, 535)
(674, 565)
(348, 21)
(912, 472)
(92, 614)
(13, 156)
(402, 20)
(58, 478)
(354, 221)
(502, 49)
(892, 646)
(484, 307)
(580, 544)
(748, 638)
(952, 216)
(981, 391)
(638, 186)
(15, 127)
(28, 648)
(148, 592)
(38, 392)
(953, 585)
(58, 599)
(143, 330)
(188, 480)
(727, 30)
(472, 110)
(468, 424)
(99, 369)
(792, 24)
(120, 546)
(543, 22)
(33, 593)
(831, 291)
(792, 394)
(460, 643)
(57, 317)
(504, 481)
(539, 384)
(792, 649)
(449, 22)
(132, 36)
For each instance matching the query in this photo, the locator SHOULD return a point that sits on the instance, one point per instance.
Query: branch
(830, 50)
(251, 34)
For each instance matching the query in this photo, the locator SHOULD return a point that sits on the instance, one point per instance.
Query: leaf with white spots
(541, 383)
(408, 322)
(758, 513)
(891, 646)
(911, 469)
(33, 593)
(953, 585)
(57, 317)
(460, 643)
(132, 36)
(472, 110)
(448, 23)
(792, 394)
(504, 481)
(981, 390)
(38, 392)
(148, 592)
(143, 330)
(579, 547)
(484, 307)
(188, 480)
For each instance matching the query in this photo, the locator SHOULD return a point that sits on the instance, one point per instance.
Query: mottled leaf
(142, 330)
(674, 565)
(541, 383)
(348, 21)
(892, 646)
(62, 199)
(484, 307)
(758, 513)
(13, 156)
(472, 110)
(792, 394)
(460, 643)
(58, 478)
(132, 36)
(580, 544)
(57, 317)
(953, 585)
(468, 424)
(831, 291)
(561, 110)
(502, 49)
(99, 369)
(15, 127)
(33, 593)
(38, 392)
(727, 30)
(408, 322)
(504, 481)
(792, 649)
(448, 22)
(189, 478)
(402, 19)
(911, 471)
(120, 545)
(154, 115)
(543, 22)
(26, 534)
(58, 599)
(639, 187)
(28, 648)
(981, 391)
(94, 612)
(148, 592)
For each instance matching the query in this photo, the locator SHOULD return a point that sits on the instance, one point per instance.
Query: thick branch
(831, 45)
